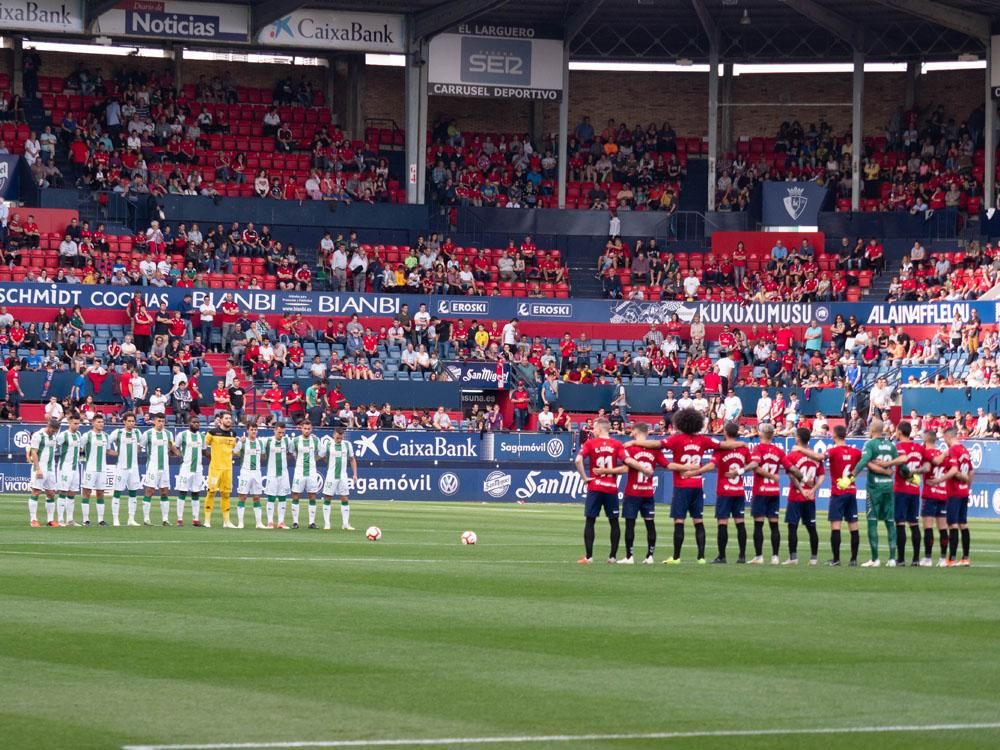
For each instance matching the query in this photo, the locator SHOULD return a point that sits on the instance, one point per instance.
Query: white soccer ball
(469, 537)
(374, 533)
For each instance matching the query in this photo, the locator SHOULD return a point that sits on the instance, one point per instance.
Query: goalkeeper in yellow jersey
(220, 441)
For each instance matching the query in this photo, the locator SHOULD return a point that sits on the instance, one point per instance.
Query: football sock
(966, 540)
(281, 512)
(312, 512)
(678, 540)
(295, 511)
(901, 543)
(100, 510)
(629, 536)
(147, 509)
(952, 543)
(616, 536)
(116, 503)
(741, 538)
(85, 509)
(775, 537)
(33, 509)
(50, 510)
(258, 513)
(195, 507)
(855, 543)
(240, 510)
(928, 542)
(944, 542)
(164, 508)
(345, 513)
(835, 544)
(813, 539)
(650, 537)
(327, 510)
(70, 508)
(181, 499)
(758, 538)
(588, 537)
(269, 508)
(61, 509)
(699, 539)
(873, 537)
(723, 536)
(892, 540)
(793, 540)
(915, 541)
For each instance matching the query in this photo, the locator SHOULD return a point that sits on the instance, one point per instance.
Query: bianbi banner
(53, 16)
(336, 30)
(499, 62)
(173, 19)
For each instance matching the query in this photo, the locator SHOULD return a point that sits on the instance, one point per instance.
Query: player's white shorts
(251, 483)
(156, 479)
(47, 483)
(276, 486)
(94, 480)
(336, 487)
(69, 480)
(127, 480)
(190, 482)
(309, 485)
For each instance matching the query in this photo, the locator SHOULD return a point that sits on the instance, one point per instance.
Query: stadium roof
(748, 30)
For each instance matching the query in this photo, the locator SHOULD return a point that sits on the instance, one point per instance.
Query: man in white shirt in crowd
(685, 401)
(764, 408)
(691, 284)
(726, 366)
(734, 406)
(509, 334)
(54, 410)
(546, 419)
(700, 403)
(338, 269)
(442, 421)
(69, 251)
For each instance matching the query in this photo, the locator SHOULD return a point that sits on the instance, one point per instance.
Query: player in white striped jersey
(276, 482)
(68, 481)
(43, 452)
(94, 450)
(190, 443)
(251, 482)
(125, 443)
(158, 444)
(339, 454)
(306, 478)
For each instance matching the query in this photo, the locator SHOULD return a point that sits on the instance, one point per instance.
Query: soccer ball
(374, 533)
(469, 537)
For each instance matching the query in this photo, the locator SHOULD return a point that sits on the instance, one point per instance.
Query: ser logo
(505, 62)
(448, 484)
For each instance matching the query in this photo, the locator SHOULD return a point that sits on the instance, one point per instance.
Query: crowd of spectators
(925, 276)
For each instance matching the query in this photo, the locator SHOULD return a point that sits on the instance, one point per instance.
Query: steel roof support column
(713, 121)
(564, 127)
(989, 137)
(857, 127)
(416, 122)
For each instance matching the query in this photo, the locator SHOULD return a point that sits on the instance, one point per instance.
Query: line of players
(57, 457)
(894, 495)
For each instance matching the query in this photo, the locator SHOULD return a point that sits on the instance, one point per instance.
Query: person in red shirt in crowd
(609, 366)
(31, 233)
(958, 498)
(802, 496)
(767, 460)
(296, 354)
(567, 350)
(275, 400)
(229, 311)
(874, 258)
(369, 343)
(295, 403)
(303, 277)
(784, 339)
(730, 498)
(176, 327)
(727, 340)
(14, 392)
(519, 399)
(335, 399)
(285, 275)
(142, 329)
(601, 452)
(220, 398)
(937, 469)
(639, 465)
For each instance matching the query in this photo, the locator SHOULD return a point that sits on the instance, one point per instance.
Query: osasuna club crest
(795, 202)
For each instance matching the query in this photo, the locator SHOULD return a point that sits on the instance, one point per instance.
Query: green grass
(110, 637)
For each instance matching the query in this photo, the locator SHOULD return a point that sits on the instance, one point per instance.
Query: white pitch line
(521, 740)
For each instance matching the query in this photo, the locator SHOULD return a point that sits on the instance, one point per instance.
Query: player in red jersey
(802, 496)
(729, 495)
(938, 469)
(767, 460)
(906, 492)
(639, 465)
(958, 498)
(843, 499)
(602, 491)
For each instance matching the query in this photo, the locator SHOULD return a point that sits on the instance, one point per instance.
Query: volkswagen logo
(555, 448)
(996, 501)
(448, 484)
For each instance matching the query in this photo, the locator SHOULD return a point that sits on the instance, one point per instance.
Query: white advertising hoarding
(336, 30)
(52, 16)
(504, 62)
(173, 19)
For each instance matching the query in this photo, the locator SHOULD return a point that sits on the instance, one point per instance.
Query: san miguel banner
(174, 19)
(51, 16)
(792, 204)
(336, 30)
(496, 61)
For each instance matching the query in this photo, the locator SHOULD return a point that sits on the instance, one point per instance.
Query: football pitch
(209, 638)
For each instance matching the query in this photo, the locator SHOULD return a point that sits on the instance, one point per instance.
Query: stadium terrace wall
(422, 479)
(927, 400)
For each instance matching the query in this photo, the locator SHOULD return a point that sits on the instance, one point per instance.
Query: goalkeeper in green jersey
(878, 453)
